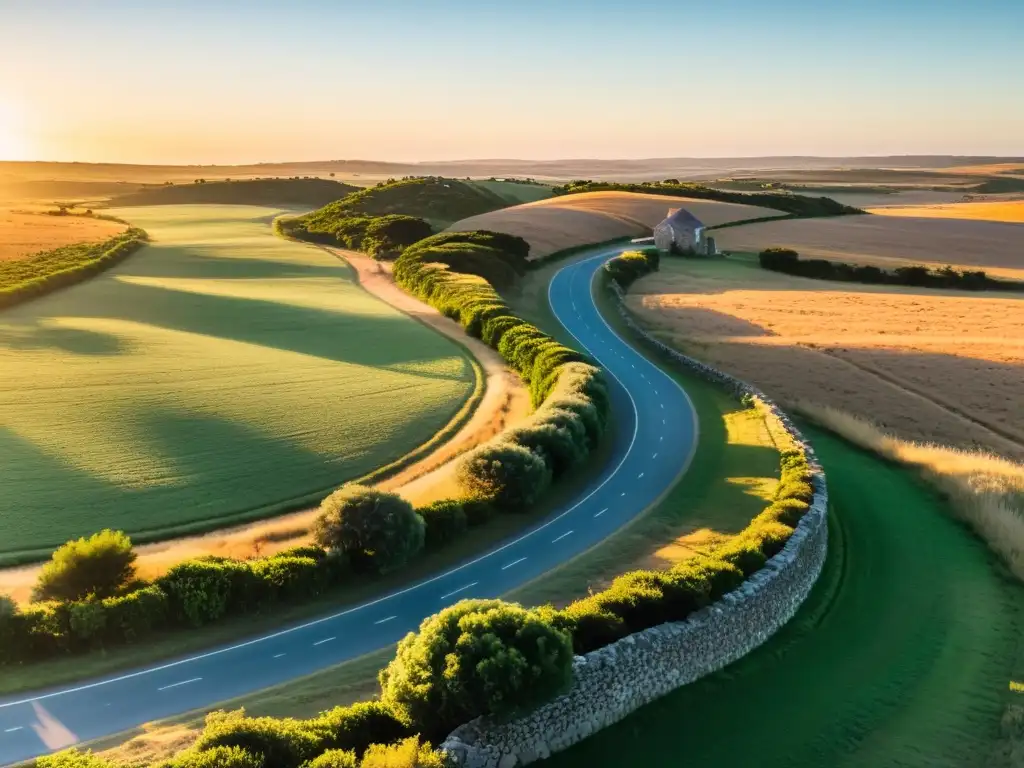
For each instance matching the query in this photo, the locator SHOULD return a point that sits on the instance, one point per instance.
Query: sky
(209, 81)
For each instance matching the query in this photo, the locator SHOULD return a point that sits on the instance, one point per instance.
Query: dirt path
(901, 656)
(505, 402)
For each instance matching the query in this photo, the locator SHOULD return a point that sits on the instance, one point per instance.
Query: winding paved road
(656, 436)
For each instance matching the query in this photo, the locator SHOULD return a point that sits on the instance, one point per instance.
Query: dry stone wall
(614, 681)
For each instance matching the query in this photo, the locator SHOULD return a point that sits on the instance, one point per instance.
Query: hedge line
(377, 236)
(798, 205)
(629, 266)
(48, 271)
(788, 261)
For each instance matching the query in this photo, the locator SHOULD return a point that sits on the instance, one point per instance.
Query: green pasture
(221, 373)
(901, 656)
(515, 192)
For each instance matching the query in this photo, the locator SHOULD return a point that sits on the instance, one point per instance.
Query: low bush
(356, 727)
(627, 267)
(280, 742)
(335, 758)
(99, 565)
(478, 657)
(218, 757)
(376, 530)
(445, 521)
(509, 475)
(788, 261)
(409, 753)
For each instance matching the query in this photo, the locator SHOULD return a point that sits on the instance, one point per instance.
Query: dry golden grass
(933, 366)
(890, 241)
(986, 490)
(986, 169)
(1011, 211)
(564, 222)
(23, 232)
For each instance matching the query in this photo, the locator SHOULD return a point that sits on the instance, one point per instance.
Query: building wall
(614, 681)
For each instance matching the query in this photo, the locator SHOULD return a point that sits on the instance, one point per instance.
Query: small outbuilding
(680, 232)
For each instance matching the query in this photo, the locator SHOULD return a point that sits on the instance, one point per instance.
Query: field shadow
(702, 322)
(76, 341)
(200, 264)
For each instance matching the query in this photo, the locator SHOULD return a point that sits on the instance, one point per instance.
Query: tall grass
(986, 491)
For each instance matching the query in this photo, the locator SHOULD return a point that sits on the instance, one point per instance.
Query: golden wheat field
(1010, 211)
(939, 366)
(25, 232)
(996, 247)
(563, 222)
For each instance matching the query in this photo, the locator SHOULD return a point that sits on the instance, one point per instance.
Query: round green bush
(786, 511)
(511, 476)
(335, 758)
(281, 743)
(478, 657)
(558, 446)
(100, 565)
(378, 531)
(445, 521)
(218, 757)
(359, 725)
(592, 626)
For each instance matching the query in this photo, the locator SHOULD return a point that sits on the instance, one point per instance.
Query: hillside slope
(286, 192)
(590, 217)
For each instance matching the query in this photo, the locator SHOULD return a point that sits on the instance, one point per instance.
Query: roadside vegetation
(788, 261)
(45, 272)
(301, 192)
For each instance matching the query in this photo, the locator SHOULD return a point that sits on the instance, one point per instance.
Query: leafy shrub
(627, 267)
(406, 754)
(476, 657)
(217, 757)
(99, 565)
(282, 743)
(785, 511)
(744, 553)
(335, 758)
(378, 531)
(560, 448)
(511, 476)
(591, 625)
(198, 591)
(358, 726)
(445, 521)
(478, 510)
(72, 758)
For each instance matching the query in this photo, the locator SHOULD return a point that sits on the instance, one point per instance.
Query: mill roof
(683, 217)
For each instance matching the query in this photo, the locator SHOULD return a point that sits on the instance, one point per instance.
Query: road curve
(656, 431)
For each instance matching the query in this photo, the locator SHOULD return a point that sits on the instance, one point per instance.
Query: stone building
(680, 232)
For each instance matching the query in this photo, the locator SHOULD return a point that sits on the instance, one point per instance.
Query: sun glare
(13, 145)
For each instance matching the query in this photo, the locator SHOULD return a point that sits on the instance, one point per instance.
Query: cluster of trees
(477, 657)
(800, 206)
(788, 261)
(629, 266)
(47, 271)
(378, 236)
(305, 191)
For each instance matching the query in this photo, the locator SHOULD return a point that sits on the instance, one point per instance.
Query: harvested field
(1010, 211)
(23, 233)
(221, 374)
(592, 217)
(888, 241)
(937, 366)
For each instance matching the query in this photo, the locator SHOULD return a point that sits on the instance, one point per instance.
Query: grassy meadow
(1009, 211)
(27, 231)
(219, 374)
(931, 365)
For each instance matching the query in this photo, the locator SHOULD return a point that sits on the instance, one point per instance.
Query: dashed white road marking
(655, 392)
(662, 406)
(12, 730)
(279, 655)
(460, 589)
(640, 475)
(183, 682)
(655, 455)
(660, 438)
(567, 533)
(514, 562)
(664, 422)
(325, 640)
(601, 512)
(385, 621)
(622, 494)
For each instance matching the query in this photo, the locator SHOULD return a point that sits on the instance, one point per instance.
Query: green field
(515, 192)
(901, 656)
(220, 373)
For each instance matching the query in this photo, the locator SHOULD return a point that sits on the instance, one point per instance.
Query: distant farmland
(219, 374)
(890, 241)
(23, 233)
(563, 222)
(1011, 211)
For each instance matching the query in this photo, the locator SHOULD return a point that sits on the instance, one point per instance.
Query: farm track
(901, 655)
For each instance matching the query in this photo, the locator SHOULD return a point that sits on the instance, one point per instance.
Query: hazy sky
(214, 81)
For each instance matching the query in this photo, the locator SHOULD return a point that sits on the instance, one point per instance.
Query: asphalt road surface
(656, 433)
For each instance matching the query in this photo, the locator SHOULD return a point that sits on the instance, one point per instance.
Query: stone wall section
(614, 681)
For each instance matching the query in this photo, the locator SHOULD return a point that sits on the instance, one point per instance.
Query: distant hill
(437, 200)
(297, 192)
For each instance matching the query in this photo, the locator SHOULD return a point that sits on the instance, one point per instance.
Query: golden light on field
(13, 142)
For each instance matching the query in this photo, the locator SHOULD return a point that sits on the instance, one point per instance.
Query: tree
(379, 531)
(477, 657)
(99, 565)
